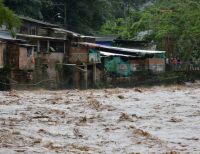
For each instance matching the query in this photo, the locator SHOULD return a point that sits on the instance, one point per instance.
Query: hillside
(82, 16)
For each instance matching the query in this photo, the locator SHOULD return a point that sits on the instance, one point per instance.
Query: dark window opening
(43, 46)
(57, 47)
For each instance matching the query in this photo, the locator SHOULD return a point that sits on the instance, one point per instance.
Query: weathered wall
(157, 64)
(138, 64)
(78, 55)
(154, 64)
(47, 63)
(19, 58)
(13, 58)
(23, 59)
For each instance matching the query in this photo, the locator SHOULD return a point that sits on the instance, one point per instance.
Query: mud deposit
(138, 120)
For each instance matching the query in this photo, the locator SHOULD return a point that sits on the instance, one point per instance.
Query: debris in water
(125, 117)
(173, 119)
(13, 93)
(95, 104)
(138, 90)
(77, 133)
(121, 97)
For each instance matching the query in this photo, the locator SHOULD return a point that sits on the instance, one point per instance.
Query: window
(57, 47)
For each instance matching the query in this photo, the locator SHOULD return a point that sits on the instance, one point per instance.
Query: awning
(37, 21)
(107, 54)
(63, 31)
(39, 37)
(6, 37)
(27, 45)
(124, 51)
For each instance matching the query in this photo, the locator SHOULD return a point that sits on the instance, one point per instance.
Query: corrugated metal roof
(5, 35)
(132, 50)
(27, 45)
(64, 31)
(40, 37)
(105, 38)
(61, 30)
(118, 50)
(37, 21)
(107, 54)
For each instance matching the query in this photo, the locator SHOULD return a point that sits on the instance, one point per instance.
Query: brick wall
(78, 55)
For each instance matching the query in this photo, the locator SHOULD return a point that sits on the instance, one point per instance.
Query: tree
(84, 16)
(8, 18)
(175, 25)
(30, 8)
(179, 21)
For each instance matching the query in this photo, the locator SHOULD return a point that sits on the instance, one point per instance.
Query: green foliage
(8, 18)
(30, 8)
(125, 27)
(83, 16)
(177, 20)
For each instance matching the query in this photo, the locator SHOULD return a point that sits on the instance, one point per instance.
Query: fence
(184, 66)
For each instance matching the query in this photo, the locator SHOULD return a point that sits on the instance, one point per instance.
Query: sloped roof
(5, 35)
(61, 30)
(64, 31)
(118, 50)
(37, 21)
(107, 54)
(39, 37)
(110, 38)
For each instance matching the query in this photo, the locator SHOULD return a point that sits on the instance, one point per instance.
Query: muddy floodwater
(108, 121)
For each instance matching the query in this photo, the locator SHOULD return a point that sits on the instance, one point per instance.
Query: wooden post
(76, 78)
(65, 15)
(38, 46)
(64, 47)
(94, 74)
(48, 46)
(86, 76)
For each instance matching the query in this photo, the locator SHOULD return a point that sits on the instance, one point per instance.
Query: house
(133, 44)
(15, 58)
(54, 48)
(125, 62)
(28, 48)
(105, 40)
(85, 60)
(48, 55)
(32, 26)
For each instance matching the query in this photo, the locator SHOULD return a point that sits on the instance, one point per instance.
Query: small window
(57, 47)
(33, 31)
(43, 46)
(29, 51)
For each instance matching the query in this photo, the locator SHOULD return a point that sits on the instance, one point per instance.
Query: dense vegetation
(7, 17)
(173, 24)
(85, 16)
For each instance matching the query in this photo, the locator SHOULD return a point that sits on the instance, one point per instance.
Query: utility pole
(63, 8)
(65, 14)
